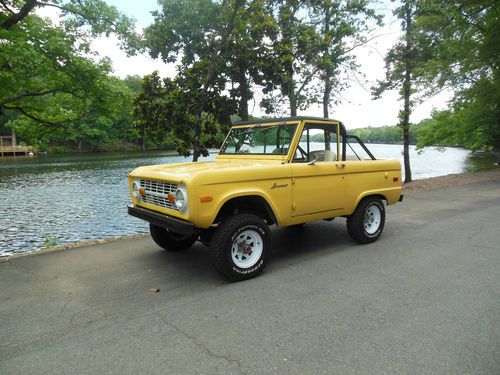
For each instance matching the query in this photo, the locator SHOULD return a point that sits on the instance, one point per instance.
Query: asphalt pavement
(424, 299)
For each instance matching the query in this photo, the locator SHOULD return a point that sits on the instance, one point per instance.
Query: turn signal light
(171, 197)
(206, 198)
(142, 191)
(395, 179)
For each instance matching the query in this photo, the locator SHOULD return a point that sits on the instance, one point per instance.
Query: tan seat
(323, 155)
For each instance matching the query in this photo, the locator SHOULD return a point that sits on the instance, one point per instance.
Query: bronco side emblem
(275, 185)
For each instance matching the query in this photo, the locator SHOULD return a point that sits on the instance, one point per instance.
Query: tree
(148, 109)
(404, 65)
(42, 64)
(106, 115)
(466, 43)
(103, 122)
(249, 49)
(341, 26)
(386, 134)
(168, 108)
(200, 30)
(290, 66)
(313, 41)
(100, 17)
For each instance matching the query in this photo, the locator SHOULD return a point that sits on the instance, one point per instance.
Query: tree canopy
(404, 62)
(465, 39)
(285, 54)
(225, 49)
(50, 80)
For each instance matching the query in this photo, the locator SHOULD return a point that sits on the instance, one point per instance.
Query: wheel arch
(252, 203)
(367, 195)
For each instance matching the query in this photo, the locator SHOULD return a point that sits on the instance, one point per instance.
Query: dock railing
(8, 147)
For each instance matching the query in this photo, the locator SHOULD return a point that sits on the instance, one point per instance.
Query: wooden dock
(8, 147)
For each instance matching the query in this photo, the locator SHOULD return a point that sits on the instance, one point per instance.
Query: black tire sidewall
(355, 222)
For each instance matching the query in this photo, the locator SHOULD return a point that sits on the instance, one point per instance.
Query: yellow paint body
(295, 192)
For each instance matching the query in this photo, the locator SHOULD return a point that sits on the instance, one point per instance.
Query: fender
(390, 195)
(237, 194)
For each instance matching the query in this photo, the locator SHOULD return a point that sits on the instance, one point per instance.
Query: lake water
(69, 198)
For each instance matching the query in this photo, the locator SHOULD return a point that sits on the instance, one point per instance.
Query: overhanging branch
(19, 16)
(306, 81)
(60, 7)
(6, 7)
(35, 94)
(33, 117)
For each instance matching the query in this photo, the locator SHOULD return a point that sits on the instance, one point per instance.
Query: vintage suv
(286, 172)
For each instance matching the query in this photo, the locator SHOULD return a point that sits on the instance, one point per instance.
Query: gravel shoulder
(450, 180)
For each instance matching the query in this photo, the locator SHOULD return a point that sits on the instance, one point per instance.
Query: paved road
(424, 299)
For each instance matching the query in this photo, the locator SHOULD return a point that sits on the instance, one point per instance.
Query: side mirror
(312, 162)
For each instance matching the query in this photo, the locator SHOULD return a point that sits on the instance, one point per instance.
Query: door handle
(342, 165)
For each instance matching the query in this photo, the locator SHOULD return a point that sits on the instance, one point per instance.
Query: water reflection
(69, 198)
(479, 161)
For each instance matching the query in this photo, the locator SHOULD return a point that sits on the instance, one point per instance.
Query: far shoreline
(425, 184)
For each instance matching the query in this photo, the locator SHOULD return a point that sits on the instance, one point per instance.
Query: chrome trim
(156, 193)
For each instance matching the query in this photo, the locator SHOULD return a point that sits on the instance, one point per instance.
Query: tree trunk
(406, 153)
(326, 99)
(326, 93)
(244, 92)
(405, 125)
(293, 101)
(79, 147)
(196, 141)
(496, 144)
(328, 70)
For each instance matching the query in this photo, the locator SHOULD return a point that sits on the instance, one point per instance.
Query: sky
(357, 108)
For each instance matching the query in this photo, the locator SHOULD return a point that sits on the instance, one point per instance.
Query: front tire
(170, 241)
(366, 224)
(240, 247)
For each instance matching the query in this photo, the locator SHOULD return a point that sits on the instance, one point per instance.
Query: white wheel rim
(373, 217)
(246, 248)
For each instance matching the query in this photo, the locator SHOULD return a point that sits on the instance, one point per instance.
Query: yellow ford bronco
(281, 172)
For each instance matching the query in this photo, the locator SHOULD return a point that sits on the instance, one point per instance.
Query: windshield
(259, 139)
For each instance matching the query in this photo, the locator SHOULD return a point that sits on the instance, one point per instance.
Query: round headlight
(135, 190)
(179, 199)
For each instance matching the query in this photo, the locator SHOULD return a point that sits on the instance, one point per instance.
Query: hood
(219, 170)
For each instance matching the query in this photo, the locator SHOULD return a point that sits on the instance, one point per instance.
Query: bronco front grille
(156, 192)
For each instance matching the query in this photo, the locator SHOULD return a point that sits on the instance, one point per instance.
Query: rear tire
(366, 224)
(170, 241)
(240, 246)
